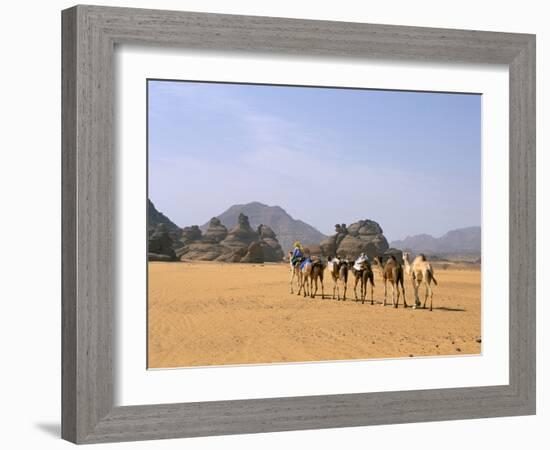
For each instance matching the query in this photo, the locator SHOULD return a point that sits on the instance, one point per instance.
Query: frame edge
(69, 37)
(88, 414)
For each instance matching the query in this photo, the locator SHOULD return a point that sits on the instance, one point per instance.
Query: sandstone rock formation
(216, 231)
(270, 245)
(190, 234)
(160, 245)
(365, 236)
(254, 254)
(240, 234)
(240, 244)
(154, 217)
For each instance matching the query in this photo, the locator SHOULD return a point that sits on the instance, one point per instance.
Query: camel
(294, 272)
(393, 272)
(421, 272)
(317, 272)
(338, 269)
(306, 276)
(363, 275)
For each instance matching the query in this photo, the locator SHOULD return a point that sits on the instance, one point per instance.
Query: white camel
(421, 272)
(306, 276)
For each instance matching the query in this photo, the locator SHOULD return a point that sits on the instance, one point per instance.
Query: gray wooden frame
(89, 36)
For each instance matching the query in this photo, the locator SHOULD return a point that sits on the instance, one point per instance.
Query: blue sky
(409, 160)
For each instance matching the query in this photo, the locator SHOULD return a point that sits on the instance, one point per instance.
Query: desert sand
(207, 313)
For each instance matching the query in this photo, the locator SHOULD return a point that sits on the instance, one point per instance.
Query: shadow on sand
(444, 308)
(377, 303)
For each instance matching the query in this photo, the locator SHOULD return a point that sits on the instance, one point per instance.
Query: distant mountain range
(462, 240)
(283, 224)
(459, 241)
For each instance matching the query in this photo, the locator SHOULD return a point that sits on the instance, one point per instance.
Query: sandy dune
(213, 314)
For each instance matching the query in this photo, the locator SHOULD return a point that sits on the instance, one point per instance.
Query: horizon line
(309, 224)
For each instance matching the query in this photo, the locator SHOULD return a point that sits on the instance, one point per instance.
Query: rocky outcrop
(328, 246)
(161, 245)
(272, 251)
(216, 231)
(155, 217)
(190, 234)
(365, 236)
(240, 244)
(254, 254)
(240, 234)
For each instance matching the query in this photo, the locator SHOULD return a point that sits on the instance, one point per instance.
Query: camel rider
(359, 261)
(297, 253)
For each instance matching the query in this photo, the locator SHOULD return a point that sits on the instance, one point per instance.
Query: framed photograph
(278, 224)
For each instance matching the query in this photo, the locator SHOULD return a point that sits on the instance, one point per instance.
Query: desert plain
(208, 313)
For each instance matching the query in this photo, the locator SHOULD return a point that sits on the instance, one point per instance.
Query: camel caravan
(307, 273)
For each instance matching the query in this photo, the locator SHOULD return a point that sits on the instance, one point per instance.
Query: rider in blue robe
(297, 253)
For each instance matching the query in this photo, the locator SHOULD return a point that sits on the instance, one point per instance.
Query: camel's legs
(322, 290)
(398, 293)
(416, 284)
(371, 296)
(403, 290)
(429, 293)
(425, 282)
(292, 272)
(355, 287)
(385, 291)
(394, 294)
(314, 293)
(301, 281)
(345, 289)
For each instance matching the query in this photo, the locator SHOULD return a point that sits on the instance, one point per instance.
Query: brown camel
(317, 272)
(392, 271)
(338, 269)
(363, 275)
(421, 272)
